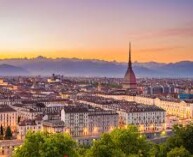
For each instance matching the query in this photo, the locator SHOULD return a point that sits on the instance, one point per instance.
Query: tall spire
(130, 64)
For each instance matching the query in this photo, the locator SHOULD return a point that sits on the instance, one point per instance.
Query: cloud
(183, 31)
(159, 49)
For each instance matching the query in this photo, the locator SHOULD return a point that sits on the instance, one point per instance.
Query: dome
(130, 76)
(130, 79)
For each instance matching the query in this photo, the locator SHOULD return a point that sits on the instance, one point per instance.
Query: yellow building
(8, 117)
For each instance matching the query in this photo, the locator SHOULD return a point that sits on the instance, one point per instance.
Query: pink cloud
(185, 31)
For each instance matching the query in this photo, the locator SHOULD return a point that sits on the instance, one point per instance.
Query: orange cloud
(159, 49)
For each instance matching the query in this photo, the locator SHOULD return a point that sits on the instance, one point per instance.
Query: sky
(159, 30)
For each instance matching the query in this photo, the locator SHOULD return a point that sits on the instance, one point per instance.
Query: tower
(129, 78)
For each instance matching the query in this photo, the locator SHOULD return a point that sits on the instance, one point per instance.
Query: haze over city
(160, 31)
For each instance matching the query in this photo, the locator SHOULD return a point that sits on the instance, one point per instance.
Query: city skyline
(160, 31)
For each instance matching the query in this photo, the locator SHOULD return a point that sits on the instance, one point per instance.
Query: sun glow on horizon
(108, 56)
(78, 30)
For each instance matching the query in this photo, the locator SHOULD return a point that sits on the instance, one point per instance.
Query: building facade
(91, 121)
(8, 117)
(146, 117)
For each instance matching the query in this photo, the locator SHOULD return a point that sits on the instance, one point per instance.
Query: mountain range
(90, 68)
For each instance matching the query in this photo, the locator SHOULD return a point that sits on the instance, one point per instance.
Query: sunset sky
(160, 30)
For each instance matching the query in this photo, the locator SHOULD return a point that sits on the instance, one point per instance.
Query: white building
(146, 117)
(88, 121)
(75, 119)
(28, 125)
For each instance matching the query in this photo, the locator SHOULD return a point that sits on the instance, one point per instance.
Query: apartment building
(88, 121)
(8, 117)
(146, 117)
(176, 107)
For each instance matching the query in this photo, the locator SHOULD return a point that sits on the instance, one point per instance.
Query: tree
(47, 145)
(1, 131)
(8, 133)
(105, 147)
(130, 141)
(83, 149)
(183, 136)
(121, 142)
(18, 119)
(186, 134)
(179, 152)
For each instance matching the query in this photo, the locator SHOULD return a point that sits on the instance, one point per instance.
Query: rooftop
(5, 108)
(121, 105)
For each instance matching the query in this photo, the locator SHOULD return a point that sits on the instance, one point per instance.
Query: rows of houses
(176, 107)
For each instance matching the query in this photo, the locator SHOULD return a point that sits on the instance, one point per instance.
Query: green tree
(47, 145)
(186, 134)
(130, 141)
(179, 152)
(105, 147)
(8, 133)
(82, 150)
(121, 142)
(183, 136)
